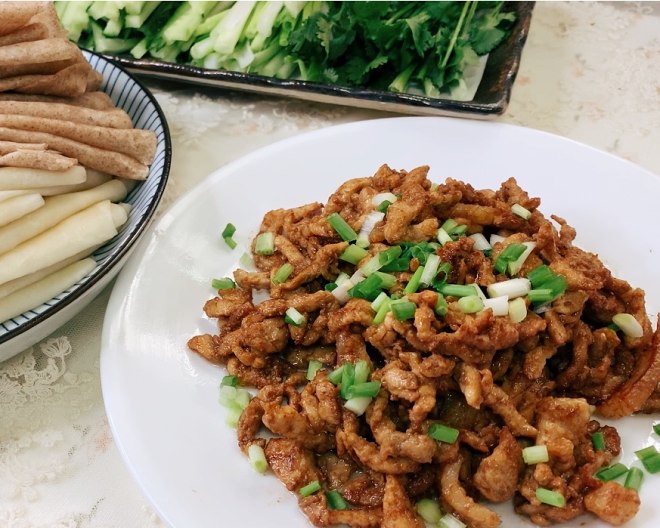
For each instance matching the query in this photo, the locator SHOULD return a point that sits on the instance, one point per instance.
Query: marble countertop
(589, 72)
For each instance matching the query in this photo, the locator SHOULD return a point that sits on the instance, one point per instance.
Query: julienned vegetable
(396, 46)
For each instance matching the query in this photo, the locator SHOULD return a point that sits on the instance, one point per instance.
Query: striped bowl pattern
(129, 94)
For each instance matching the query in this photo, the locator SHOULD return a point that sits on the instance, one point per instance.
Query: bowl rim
(115, 256)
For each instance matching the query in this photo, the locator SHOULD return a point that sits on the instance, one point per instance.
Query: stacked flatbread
(68, 157)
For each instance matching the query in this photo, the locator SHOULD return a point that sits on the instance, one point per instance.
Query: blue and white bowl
(127, 93)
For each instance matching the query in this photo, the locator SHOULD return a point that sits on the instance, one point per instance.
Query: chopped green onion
(379, 198)
(228, 233)
(353, 254)
(372, 266)
(381, 313)
(551, 498)
(403, 309)
(430, 269)
(647, 452)
(499, 305)
(509, 254)
(634, 478)
(443, 237)
(512, 288)
(598, 440)
(231, 381)
(335, 500)
(652, 463)
(458, 231)
(283, 273)
(368, 226)
(342, 228)
(265, 243)
(341, 278)
(449, 224)
(458, 290)
(227, 395)
(378, 301)
(310, 489)
(358, 405)
(628, 324)
(517, 310)
(242, 399)
(429, 510)
(470, 304)
(480, 242)
(387, 280)
(347, 379)
(368, 389)
(515, 265)
(611, 472)
(443, 433)
(540, 275)
(535, 454)
(540, 295)
(362, 371)
(294, 317)
(449, 521)
(441, 306)
(656, 428)
(223, 284)
(382, 206)
(257, 458)
(519, 210)
(335, 376)
(413, 283)
(389, 255)
(368, 288)
(246, 260)
(312, 368)
(330, 286)
(233, 416)
(557, 284)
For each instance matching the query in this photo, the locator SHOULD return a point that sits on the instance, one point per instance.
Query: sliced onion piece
(449, 521)
(517, 310)
(341, 292)
(381, 197)
(499, 305)
(514, 267)
(443, 236)
(368, 225)
(480, 242)
(496, 239)
(512, 288)
(628, 324)
(519, 210)
(430, 269)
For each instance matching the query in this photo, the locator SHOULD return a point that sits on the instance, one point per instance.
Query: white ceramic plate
(20, 332)
(161, 399)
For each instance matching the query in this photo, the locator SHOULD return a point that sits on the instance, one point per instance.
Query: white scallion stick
(20, 178)
(55, 210)
(84, 230)
(18, 206)
(45, 289)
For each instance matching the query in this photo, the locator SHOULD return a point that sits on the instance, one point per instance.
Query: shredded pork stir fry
(417, 341)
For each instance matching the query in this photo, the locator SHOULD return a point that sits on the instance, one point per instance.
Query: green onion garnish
(540, 296)
(347, 379)
(387, 280)
(358, 405)
(470, 304)
(540, 275)
(656, 428)
(652, 463)
(449, 521)
(228, 233)
(382, 206)
(557, 284)
(443, 433)
(378, 301)
(449, 224)
(330, 286)
(552, 498)
(389, 255)
(246, 260)
(414, 282)
(628, 324)
(265, 243)
(312, 368)
(443, 237)
(230, 381)
(368, 389)
(335, 500)
(647, 452)
(344, 230)
(403, 309)
(283, 273)
(372, 266)
(381, 313)
(441, 306)
(634, 478)
(598, 440)
(335, 376)
(368, 288)
(537, 454)
(509, 254)
(458, 290)
(429, 510)
(611, 472)
(310, 488)
(519, 210)
(233, 416)
(353, 254)
(362, 371)
(257, 458)
(430, 269)
(517, 310)
(223, 284)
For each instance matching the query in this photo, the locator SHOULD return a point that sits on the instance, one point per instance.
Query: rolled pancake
(88, 228)
(37, 159)
(41, 68)
(137, 143)
(33, 31)
(19, 206)
(15, 15)
(71, 81)
(55, 210)
(95, 100)
(18, 178)
(114, 163)
(113, 118)
(39, 292)
(10, 146)
(38, 51)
